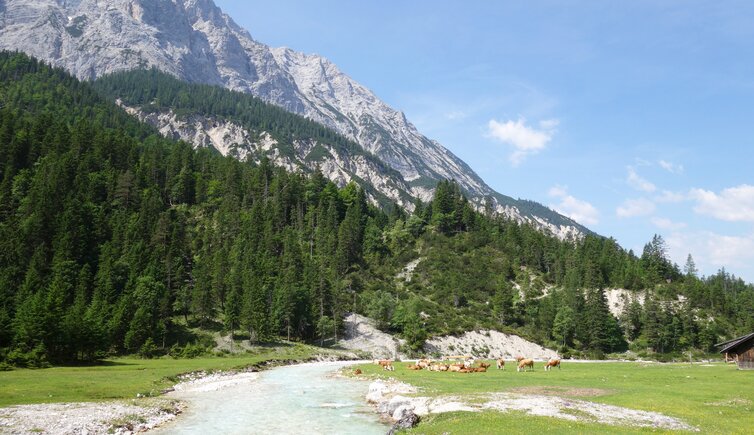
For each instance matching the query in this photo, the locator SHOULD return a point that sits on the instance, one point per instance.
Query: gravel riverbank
(84, 418)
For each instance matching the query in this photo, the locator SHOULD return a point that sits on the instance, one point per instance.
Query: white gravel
(488, 344)
(121, 417)
(361, 335)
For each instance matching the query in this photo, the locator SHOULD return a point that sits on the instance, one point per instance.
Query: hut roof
(736, 343)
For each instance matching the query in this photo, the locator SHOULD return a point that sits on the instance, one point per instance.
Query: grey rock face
(195, 41)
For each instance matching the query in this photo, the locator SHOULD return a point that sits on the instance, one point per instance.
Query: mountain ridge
(199, 43)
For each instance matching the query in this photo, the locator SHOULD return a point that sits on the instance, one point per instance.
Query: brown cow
(524, 363)
(424, 363)
(519, 358)
(443, 368)
(554, 362)
(484, 364)
(414, 367)
(480, 369)
(501, 364)
(357, 372)
(455, 368)
(386, 364)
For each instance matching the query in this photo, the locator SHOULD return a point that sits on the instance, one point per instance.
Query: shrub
(148, 350)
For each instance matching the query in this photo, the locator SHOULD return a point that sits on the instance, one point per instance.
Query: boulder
(408, 421)
(377, 390)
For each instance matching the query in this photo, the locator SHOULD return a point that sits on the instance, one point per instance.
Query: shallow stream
(299, 399)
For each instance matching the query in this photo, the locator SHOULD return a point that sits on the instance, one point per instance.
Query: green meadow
(126, 377)
(716, 398)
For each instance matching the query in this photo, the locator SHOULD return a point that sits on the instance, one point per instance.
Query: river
(298, 399)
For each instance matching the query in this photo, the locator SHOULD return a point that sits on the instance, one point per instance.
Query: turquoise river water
(299, 399)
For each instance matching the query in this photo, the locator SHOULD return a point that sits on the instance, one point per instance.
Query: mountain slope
(243, 126)
(195, 41)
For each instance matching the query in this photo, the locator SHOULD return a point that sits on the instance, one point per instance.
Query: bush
(34, 359)
(148, 350)
(193, 351)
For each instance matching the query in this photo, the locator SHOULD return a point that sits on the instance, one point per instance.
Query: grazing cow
(501, 364)
(519, 358)
(414, 367)
(484, 364)
(524, 363)
(554, 362)
(357, 372)
(386, 364)
(424, 363)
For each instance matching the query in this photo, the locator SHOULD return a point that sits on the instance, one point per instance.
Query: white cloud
(549, 124)
(712, 251)
(673, 197)
(673, 168)
(635, 207)
(667, 224)
(637, 182)
(456, 115)
(576, 209)
(732, 204)
(524, 139)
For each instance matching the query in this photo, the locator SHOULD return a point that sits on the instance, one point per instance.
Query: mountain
(247, 128)
(117, 240)
(195, 41)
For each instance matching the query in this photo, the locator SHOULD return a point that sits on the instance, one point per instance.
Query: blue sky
(635, 117)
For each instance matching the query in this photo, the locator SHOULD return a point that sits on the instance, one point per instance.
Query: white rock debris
(389, 397)
(488, 344)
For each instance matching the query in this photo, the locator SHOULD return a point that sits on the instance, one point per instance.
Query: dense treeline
(115, 240)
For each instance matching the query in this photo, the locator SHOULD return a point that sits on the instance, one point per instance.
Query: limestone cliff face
(195, 41)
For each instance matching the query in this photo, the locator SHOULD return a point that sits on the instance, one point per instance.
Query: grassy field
(716, 398)
(124, 377)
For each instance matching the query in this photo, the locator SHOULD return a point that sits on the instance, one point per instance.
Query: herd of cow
(465, 364)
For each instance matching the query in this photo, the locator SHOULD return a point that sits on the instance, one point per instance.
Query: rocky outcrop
(361, 335)
(229, 138)
(195, 41)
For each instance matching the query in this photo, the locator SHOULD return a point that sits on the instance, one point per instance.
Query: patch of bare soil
(561, 391)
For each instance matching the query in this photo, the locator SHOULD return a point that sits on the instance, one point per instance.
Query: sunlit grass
(125, 377)
(716, 398)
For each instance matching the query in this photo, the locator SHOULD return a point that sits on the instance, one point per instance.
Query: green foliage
(115, 240)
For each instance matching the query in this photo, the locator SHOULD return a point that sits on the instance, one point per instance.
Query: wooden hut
(740, 350)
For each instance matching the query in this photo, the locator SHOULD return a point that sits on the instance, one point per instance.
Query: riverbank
(586, 397)
(126, 395)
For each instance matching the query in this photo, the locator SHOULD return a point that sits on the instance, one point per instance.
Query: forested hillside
(116, 240)
(152, 91)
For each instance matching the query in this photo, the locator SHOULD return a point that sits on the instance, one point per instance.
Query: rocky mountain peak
(195, 41)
